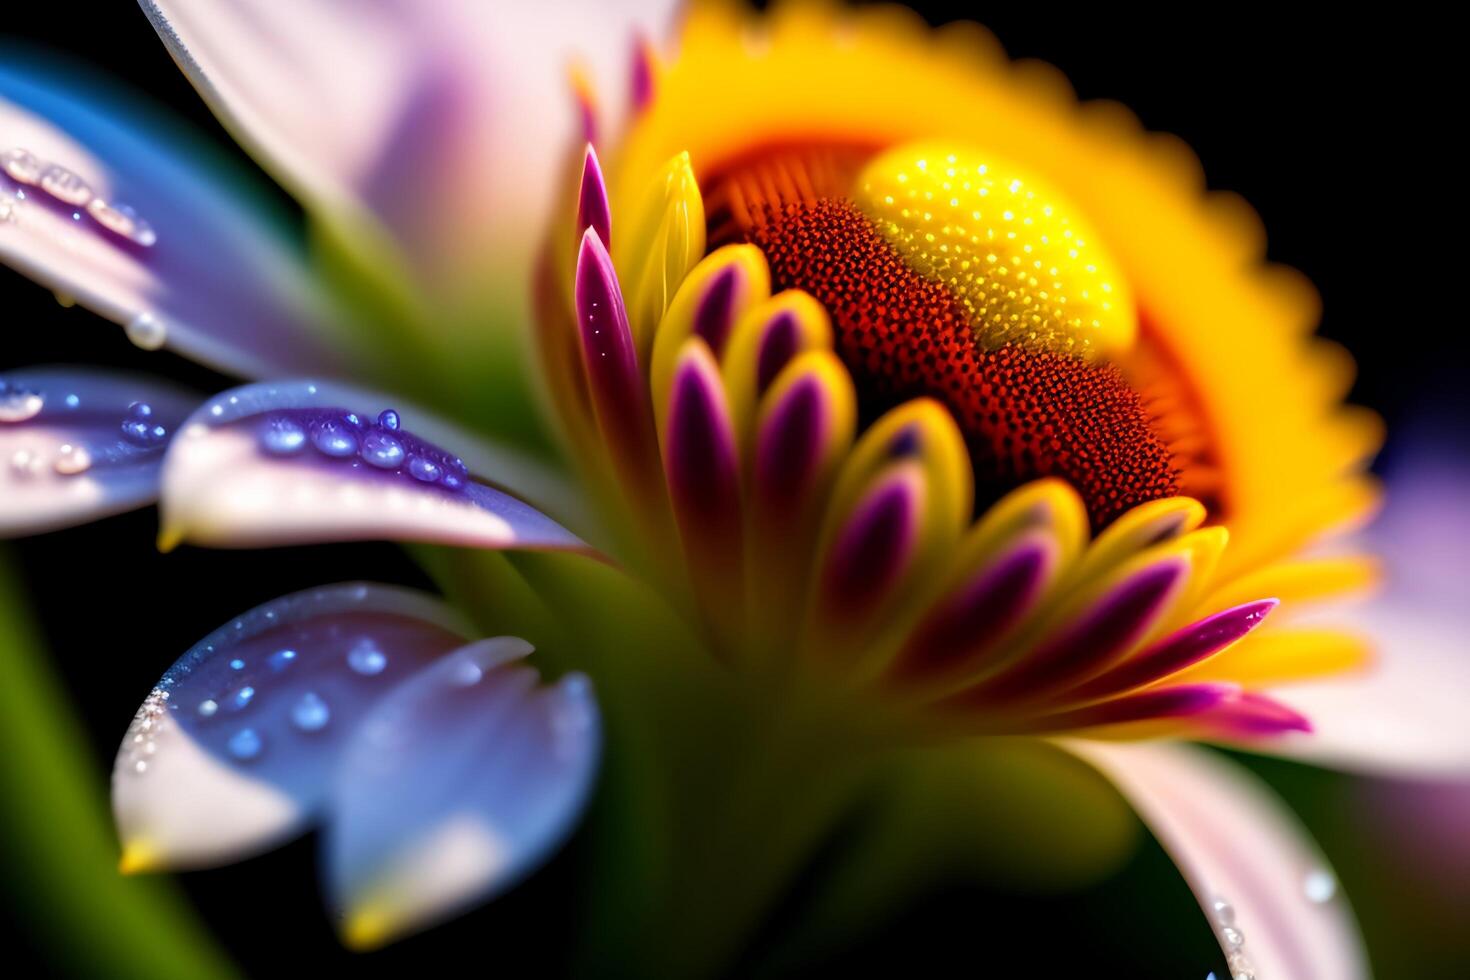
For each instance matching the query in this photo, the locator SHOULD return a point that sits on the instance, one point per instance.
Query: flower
(905, 404)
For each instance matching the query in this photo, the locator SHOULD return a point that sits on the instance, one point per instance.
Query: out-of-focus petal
(447, 121)
(1405, 713)
(232, 751)
(455, 786)
(1269, 894)
(275, 463)
(104, 202)
(79, 444)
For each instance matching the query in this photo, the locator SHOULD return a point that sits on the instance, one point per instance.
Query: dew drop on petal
(310, 713)
(1320, 886)
(123, 221)
(72, 459)
(208, 707)
(237, 664)
(22, 166)
(365, 658)
(245, 744)
(19, 404)
(282, 437)
(242, 697)
(382, 450)
(146, 331)
(388, 419)
(423, 469)
(332, 438)
(281, 659)
(65, 186)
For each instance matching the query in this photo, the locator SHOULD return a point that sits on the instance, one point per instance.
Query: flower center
(971, 284)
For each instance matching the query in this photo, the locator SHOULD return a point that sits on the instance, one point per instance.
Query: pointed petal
(873, 547)
(231, 751)
(1267, 891)
(148, 226)
(79, 444)
(593, 211)
(456, 786)
(703, 472)
(1189, 645)
(305, 461)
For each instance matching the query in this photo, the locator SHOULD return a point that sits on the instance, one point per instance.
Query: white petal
(232, 751)
(79, 444)
(206, 265)
(447, 120)
(1270, 896)
(223, 485)
(455, 786)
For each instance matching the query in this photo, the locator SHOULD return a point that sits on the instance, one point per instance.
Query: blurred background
(1336, 131)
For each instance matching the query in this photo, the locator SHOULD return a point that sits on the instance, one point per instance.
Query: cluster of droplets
(382, 444)
(141, 434)
(1319, 886)
(148, 724)
(68, 189)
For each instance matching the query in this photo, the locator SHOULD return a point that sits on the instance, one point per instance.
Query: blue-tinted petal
(149, 226)
(233, 749)
(79, 444)
(459, 783)
(306, 461)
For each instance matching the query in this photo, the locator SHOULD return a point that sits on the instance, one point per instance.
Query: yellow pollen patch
(1014, 253)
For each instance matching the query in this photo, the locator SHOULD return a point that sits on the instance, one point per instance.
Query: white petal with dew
(1267, 891)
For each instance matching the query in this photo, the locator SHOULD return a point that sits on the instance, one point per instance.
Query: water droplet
(65, 186)
(422, 468)
(310, 713)
(19, 404)
(141, 766)
(388, 419)
(123, 221)
(1232, 936)
(332, 438)
(382, 450)
(1320, 886)
(282, 437)
(208, 707)
(245, 744)
(1224, 911)
(22, 166)
(365, 658)
(72, 401)
(237, 664)
(467, 673)
(242, 697)
(147, 331)
(72, 459)
(281, 659)
(451, 481)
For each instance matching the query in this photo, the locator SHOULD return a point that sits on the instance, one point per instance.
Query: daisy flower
(835, 406)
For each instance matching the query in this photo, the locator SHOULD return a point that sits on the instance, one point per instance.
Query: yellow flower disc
(1014, 253)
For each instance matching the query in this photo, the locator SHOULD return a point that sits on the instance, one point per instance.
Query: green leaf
(57, 848)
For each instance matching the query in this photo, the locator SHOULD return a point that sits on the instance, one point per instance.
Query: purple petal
(701, 462)
(872, 550)
(1109, 628)
(78, 444)
(619, 394)
(1179, 701)
(641, 81)
(593, 210)
(1251, 715)
(231, 751)
(306, 461)
(715, 315)
(1188, 646)
(969, 622)
(458, 784)
(779, 343)
(788, 453)
(149, 227)
(1267, 891)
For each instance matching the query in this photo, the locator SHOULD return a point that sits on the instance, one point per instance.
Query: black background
(1335, 130)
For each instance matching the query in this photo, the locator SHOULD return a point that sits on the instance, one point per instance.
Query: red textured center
(1025, 414)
